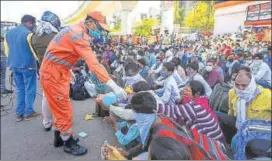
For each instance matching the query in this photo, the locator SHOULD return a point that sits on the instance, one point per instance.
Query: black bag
(78, 91)
(219, 97)
(80, 94)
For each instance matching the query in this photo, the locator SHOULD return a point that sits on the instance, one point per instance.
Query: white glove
(120, 92)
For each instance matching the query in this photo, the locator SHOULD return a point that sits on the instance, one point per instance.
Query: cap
(98, 16)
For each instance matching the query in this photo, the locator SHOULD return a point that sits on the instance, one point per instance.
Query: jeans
(25, 83)
(263, 83)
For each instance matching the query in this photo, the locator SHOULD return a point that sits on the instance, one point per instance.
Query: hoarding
(259, 12)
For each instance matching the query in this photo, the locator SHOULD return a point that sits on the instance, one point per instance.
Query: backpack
(219, 97)
(250, 130)
(78, 91)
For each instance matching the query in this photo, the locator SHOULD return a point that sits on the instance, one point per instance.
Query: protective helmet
(52, 18)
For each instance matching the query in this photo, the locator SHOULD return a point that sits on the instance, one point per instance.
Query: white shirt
(264, 73)
(208, 90)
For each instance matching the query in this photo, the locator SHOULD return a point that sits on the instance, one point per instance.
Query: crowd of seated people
(168, 115)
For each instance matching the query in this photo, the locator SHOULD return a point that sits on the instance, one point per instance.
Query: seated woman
(152, 125)
(247, 101)
(196, 113)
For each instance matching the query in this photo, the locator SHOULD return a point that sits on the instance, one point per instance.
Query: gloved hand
(120, 92)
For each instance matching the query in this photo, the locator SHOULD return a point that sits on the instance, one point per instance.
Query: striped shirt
(195, 117)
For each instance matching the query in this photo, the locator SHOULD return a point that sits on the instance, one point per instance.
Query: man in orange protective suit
(70, 44)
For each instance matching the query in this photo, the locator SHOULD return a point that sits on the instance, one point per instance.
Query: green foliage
(178, 14)
(201, 17)
(116, 24)
(144, 27)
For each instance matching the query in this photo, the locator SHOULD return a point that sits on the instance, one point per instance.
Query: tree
(178, 13)
(144, 27)
(159, 18)
(201, 17)
(116, 24)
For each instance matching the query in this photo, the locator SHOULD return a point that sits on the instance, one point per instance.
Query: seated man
(179, 73)
(144, 69)
(126, 132)
(192, 72)
(211, 74)
(169, 94)
(261, 71)
(247, 101)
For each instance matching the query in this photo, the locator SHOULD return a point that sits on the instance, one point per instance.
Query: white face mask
(248, 62)
(257, 62)
(208, 68)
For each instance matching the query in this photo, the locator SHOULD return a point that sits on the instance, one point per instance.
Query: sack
(253, 130)
(219, 97)
(210, 148)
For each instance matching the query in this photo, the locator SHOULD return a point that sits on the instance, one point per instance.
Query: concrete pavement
(27, 140)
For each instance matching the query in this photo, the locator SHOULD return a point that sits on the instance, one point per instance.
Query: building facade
(236, 16)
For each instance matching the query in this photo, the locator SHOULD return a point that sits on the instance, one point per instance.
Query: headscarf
(45, 27)
(244, 98)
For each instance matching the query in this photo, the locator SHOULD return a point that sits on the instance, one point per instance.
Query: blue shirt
(132, 134)
(20, 54)
(267, 60)
(144, 72)
(152, 59)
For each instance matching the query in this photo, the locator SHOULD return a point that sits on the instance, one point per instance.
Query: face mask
(95, 33)
(257, 62)
(242, 93)
(163, 74)
(248, 62)
(265, 49)
(208, 68)
(230, 60)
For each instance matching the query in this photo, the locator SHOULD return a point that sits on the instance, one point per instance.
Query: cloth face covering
(245, 97)
(45, 27)
(144, 122)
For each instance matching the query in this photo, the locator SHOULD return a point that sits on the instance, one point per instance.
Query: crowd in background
(183, 81)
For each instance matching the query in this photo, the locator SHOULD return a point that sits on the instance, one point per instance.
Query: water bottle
(106, 142)
(109, 99)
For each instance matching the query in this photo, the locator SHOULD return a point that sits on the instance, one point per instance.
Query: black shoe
(48, 129)
(58, 142)
(71, 147)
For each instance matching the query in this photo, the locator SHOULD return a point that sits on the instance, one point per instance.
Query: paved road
(27, 140)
